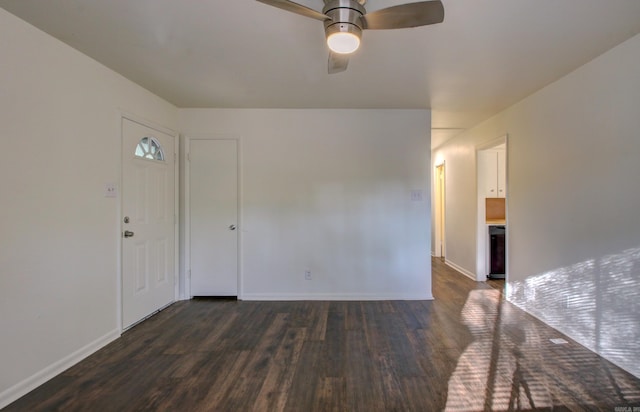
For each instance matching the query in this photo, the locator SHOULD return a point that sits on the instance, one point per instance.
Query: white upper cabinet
(492, 166)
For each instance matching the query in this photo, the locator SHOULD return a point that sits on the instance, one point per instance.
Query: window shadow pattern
(512, 365)
(596, 302)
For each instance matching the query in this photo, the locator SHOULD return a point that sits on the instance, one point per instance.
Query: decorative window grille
(149, 148)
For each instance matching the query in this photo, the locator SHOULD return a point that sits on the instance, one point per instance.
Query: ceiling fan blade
(296, 8)
(338, 62)
(405, 15)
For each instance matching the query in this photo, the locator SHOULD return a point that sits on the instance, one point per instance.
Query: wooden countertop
(496, 222)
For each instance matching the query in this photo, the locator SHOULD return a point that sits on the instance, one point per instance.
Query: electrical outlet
(307, 274)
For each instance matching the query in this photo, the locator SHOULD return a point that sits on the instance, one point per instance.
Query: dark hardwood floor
(467, 350)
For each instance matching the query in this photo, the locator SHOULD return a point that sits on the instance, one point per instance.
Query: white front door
(213, 216)
(148, 228)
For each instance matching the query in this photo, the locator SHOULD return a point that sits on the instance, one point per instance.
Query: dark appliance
(497, 252)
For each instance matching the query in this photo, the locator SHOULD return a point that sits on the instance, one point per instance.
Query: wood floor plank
(223, 380)
(334, 348)
(331, 395)
(276, 386)
(249, 383)
(302, 394)
(363, 376)
(318, 322)
(354, 318)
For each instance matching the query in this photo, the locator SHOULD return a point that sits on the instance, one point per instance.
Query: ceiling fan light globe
(343, 42)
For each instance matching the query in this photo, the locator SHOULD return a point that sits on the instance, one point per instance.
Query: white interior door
(148, 228)
(213, 217)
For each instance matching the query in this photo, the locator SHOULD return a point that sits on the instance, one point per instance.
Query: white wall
(58, 233)
(573, 229)
(329, 191)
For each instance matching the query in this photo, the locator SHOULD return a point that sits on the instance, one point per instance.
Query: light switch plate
(110, 190)
(417, 195)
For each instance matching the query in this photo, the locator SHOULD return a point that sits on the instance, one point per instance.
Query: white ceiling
(486, 55)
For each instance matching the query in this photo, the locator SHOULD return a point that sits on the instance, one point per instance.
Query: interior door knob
(128, 233)
(232, 227)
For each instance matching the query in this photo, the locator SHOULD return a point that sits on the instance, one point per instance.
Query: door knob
(128, 233)
(232, 227)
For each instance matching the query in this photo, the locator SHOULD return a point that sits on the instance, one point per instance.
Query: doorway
(492, 207)
(148, 221)
(212, 217)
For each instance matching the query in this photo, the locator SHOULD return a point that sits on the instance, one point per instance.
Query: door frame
(122, 115)
(440, 212)
(186, 292)
(482, 237)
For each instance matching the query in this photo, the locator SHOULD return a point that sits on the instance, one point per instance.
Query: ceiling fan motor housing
(346, 17)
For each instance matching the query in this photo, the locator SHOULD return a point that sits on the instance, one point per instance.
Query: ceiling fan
(344, 21)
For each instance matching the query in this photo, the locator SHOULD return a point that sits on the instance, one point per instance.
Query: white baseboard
(22, 388)
(461, 270)
(332, 296)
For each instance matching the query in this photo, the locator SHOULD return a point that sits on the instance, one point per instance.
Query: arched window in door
(149, 148)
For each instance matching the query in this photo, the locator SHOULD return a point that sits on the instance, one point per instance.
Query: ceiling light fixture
(343, 42)
(343, 27)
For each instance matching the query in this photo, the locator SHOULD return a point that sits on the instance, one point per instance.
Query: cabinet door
(502, 173)
(489, 173)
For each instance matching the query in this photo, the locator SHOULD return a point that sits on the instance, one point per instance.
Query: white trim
(333, 296)
(440, 210)
(187, 206)
(460, 269)
(176, 196)
(176, 217)
(147, 123)
(492, 143)
(120, 115)
(27, 385)
(186, 241)
(240, 218)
